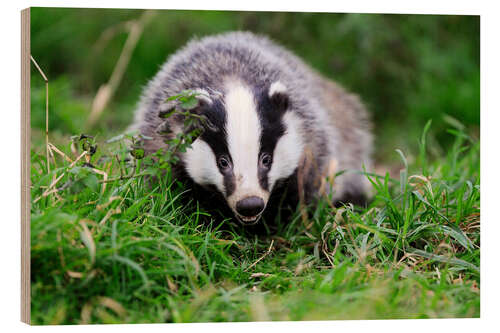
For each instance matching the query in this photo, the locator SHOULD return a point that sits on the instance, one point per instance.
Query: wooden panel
(25, 166)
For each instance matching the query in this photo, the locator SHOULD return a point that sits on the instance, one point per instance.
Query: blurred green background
(406, 68)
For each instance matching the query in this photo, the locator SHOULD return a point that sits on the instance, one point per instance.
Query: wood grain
(25, 166)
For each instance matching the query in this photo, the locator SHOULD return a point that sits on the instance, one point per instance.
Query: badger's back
(333, 128)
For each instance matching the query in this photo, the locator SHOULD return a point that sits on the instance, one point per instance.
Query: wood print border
(25, 166)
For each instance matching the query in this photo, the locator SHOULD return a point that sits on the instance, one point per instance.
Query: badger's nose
(250, 206)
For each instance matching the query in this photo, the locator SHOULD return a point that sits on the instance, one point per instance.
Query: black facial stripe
(273, 129)
(215, 113)
(229, 183)
(217, 140)
(270, 114)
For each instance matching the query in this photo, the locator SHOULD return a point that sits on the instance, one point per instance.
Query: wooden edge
(25, 167)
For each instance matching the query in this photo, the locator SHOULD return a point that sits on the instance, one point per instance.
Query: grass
(127, 250)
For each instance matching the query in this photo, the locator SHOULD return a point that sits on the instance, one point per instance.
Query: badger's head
(250, 141)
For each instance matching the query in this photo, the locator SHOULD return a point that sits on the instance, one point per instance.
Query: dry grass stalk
(110, 212)
(51, 153)
(405, 256)
(419, 182)
(112, 304)
(324, 244)
(86, 313)
(55, 149)
(262, 257)
(46, 109)
(74, 275)
(108, 215)
(329, 256)
(50, 189)
(171, 285)
(110, 201)
(260, 274)
(104, 178)
(88, 240)
(107, 90)
(92, 306)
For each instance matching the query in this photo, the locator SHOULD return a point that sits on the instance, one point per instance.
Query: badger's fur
(272, 121)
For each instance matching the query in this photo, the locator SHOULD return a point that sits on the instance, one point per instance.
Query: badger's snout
(250, 207)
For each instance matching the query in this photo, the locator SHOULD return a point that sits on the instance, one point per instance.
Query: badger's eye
(266, 161)
(224, 163)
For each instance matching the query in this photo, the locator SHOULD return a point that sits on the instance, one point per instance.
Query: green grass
(137, 251)
(134, 251)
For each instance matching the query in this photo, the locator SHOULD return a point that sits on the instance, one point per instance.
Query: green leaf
(190, 103)
(92, 182)
(138, 153)
(168, 113)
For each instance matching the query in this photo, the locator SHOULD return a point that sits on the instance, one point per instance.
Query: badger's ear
(167, 109)
(203, 97)
(173, 113)
(201, 101)
(278, 96)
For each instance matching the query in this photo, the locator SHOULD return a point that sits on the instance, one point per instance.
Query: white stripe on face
(243, 132)
(288, 150)
(201, 166)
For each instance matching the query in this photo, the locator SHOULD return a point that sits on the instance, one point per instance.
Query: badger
(273, 123)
